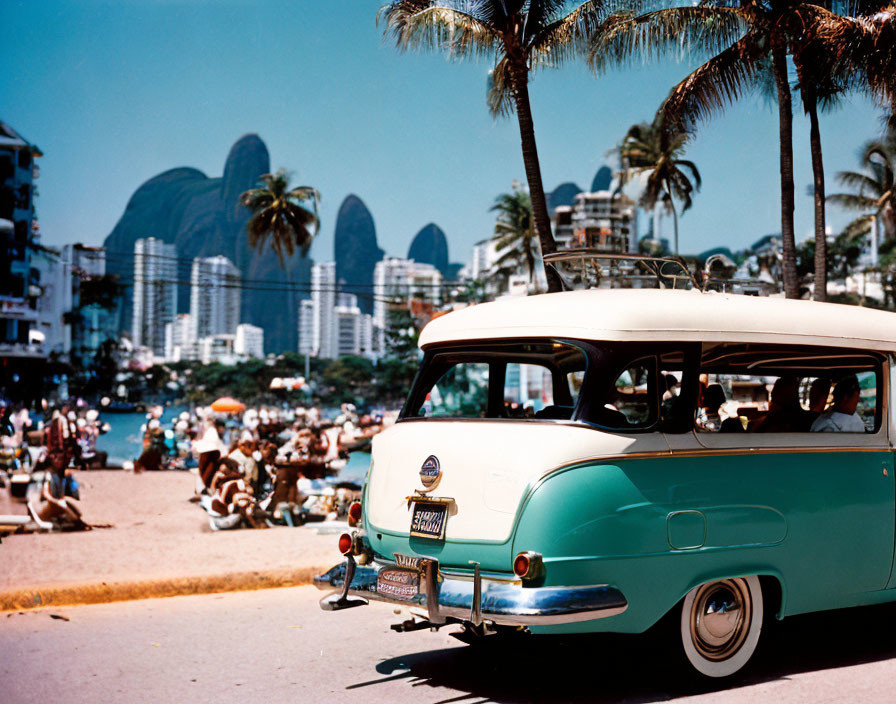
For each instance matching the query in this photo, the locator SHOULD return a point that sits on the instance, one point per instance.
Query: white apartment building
(214, 296)
(348, 327)
(217, 348)
(324, 332)
(155, 292)
(180, 344)
(367, 339)
(84, 261)
(604, 220)
(396, 281)
(306, 326)
(249, 341)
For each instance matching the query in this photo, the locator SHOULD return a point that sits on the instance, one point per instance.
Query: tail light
(354, 513)
(528, 565)
(346, 543)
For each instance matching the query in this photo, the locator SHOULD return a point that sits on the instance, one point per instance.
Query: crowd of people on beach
(259, 467)
(254, 467)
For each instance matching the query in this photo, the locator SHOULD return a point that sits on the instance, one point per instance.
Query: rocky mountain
(355, 250)
(202, 216)
(602, 179)
(564, 194)
(430, 246)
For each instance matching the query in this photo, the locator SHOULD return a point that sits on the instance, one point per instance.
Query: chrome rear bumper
(474, 599)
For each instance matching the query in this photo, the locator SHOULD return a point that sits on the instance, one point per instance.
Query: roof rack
(588, 267)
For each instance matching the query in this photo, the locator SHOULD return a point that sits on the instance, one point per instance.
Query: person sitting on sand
(233, 496)
(243, 457)
(58, 494)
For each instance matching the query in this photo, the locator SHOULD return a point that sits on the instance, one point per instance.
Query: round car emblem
(430, 472)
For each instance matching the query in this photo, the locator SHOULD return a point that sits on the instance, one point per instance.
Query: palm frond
(850, 201)
(701, 30)
(695, 172)
(568, 36)
(430, 25)
(714, 85)
(499, 95)
(865, 185)
(859, 226)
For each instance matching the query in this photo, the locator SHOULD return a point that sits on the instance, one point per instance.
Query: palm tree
(521, 35)
(874, 190)
(648, 150)
(762, 27)
(820, 84)
(280, 212)
(865, 46)
(515, 231)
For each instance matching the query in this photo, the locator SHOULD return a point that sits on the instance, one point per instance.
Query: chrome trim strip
(501, 603)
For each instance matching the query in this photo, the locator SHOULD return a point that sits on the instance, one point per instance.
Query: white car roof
(665, 315)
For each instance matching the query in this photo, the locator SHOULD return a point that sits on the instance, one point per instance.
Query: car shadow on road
(642, 668)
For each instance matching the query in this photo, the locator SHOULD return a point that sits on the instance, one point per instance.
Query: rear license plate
(400, 584)
(428, 519)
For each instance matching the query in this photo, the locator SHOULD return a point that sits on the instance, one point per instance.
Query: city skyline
(115, 94)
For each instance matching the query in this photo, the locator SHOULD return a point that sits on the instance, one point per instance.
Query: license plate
(428, 519)
(397, 583)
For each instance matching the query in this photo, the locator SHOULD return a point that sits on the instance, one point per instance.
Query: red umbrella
(225, 404)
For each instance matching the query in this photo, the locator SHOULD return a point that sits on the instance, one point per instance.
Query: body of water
(124, 441)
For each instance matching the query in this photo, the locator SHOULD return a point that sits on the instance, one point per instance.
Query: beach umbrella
(225, 404)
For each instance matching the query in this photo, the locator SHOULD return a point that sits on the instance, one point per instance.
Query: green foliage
(515, 233)
(398, 366)
(842, 260)
(347, 380)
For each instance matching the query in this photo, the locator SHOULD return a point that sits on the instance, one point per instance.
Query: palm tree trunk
(785, 129)
(520, 75)
(810, 103)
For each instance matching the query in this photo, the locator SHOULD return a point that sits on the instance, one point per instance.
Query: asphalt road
(277, 646)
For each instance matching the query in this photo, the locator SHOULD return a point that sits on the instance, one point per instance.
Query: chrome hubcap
(720, 618)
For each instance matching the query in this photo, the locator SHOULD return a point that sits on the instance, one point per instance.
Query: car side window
(629, 402)
(461, 392)
(775, 389)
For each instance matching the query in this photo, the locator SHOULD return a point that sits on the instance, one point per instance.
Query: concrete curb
(105, 592)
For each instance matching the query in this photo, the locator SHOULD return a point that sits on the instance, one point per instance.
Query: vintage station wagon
(597, 460)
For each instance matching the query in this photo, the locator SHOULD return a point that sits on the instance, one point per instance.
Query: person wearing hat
(841, 417)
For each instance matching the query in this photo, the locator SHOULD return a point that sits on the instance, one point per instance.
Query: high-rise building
(214, 296)
(21, 352)
(155, 292)
(323, 300)
(306, 326)
(180, 344)
(95, 303)
(249, 341)
(348, 325)
(396, 284)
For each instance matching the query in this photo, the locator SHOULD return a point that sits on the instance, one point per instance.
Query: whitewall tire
(720, 625)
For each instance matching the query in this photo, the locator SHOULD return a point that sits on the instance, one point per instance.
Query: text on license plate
(428, 519)
(401, 584)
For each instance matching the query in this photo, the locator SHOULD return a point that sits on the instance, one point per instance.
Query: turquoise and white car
(595, 461)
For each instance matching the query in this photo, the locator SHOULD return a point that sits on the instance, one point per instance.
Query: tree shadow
(641, 668)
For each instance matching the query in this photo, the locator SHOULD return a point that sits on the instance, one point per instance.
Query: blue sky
(116, 92)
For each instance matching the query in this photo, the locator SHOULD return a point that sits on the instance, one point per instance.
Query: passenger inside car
(841, 417)
(785, 414)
